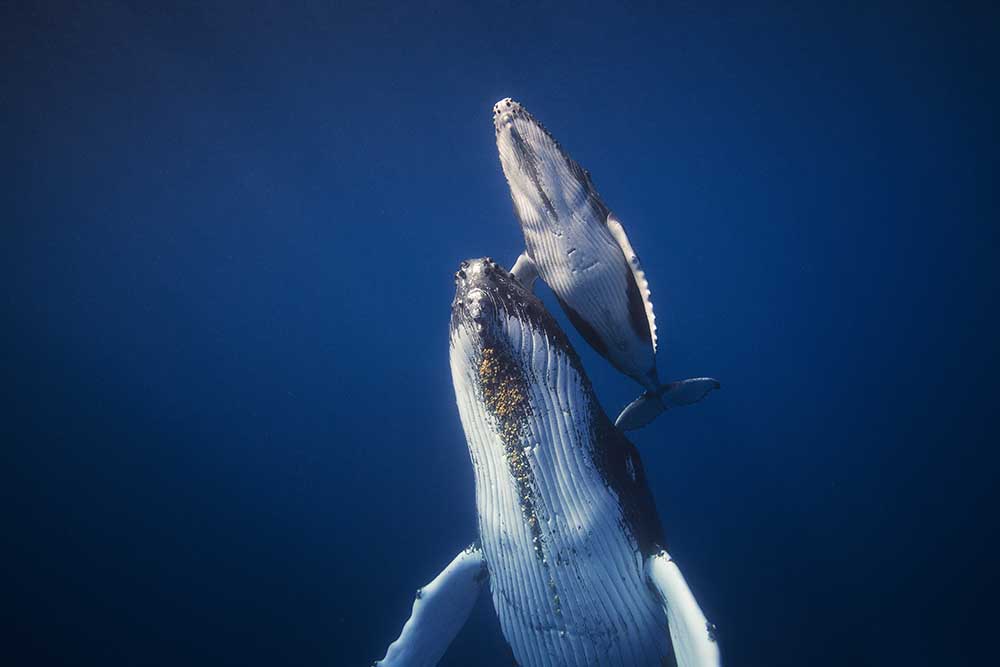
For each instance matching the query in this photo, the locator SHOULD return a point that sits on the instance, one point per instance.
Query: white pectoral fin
(525, 271)
(690, 632)
(686, 392)
(618, 232)
(439, 612)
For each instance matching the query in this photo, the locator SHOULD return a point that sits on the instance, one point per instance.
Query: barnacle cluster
(505, 394)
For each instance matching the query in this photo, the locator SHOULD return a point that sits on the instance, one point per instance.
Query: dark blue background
(227, 253)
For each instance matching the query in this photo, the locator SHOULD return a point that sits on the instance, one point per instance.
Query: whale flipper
(618, 232)
(647, 407)
(439, 612)
(690, 632)
(525, 271)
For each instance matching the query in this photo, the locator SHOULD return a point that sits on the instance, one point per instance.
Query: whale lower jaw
(566, 565)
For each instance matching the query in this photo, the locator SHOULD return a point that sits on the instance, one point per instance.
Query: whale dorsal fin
(618, 232)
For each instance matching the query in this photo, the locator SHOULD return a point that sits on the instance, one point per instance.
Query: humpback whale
(580, 250)
(569, 536)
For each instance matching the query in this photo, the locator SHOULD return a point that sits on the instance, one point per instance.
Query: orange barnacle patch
(505, 394)
(503, 391)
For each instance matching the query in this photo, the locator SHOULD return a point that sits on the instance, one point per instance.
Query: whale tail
(650, 404)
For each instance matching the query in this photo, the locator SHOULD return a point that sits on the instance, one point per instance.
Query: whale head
(486, 295)
(547, 186)
(492, 308)
(495, 325)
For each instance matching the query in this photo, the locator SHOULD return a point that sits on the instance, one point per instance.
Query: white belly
(583, 265)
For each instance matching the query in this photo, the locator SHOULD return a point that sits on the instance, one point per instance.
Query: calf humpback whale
(569, 536)
(579, 248)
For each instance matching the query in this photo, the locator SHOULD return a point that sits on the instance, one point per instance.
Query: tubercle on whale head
(505, 111)
(508, 112)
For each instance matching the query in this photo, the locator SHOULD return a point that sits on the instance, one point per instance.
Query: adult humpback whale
(579, 248)
(569, 536)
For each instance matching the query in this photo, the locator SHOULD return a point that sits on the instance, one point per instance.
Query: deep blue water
(228, 248)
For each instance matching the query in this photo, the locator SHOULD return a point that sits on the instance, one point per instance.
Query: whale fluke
(647, 407)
